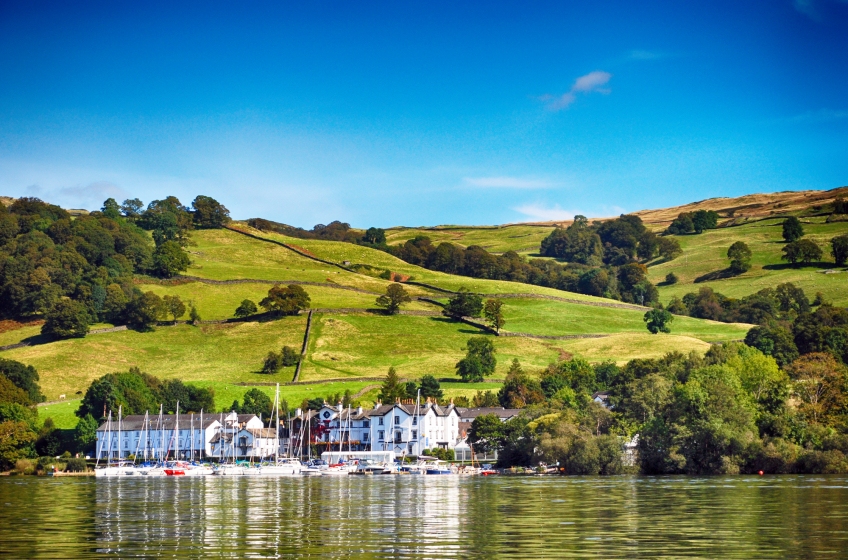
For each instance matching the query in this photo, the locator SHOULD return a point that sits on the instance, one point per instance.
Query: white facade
(401, 428)
(157, 438)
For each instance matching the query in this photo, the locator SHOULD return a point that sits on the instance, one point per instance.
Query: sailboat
(282, 466)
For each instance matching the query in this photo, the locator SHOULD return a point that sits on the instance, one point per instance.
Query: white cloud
(822, 115)
(544, 213)
(588, 83)
(89, 196)
(507, 182)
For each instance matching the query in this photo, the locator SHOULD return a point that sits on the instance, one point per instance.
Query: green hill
(351, 343)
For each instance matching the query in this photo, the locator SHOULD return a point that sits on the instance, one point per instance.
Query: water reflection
(424, 517)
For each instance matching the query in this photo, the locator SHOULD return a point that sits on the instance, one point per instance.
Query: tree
(289, 356)
(392, 389)
(682, 224)
(272, 363)
(740, 257)
(704, 219)
(85, 434)
(774, 341)
(671, 278)
(519, 389)
(289, 300)
(463, 304)
(209, 213)
(394, 297)
(669, 248)
(375, 236)
(803, 250)
(23, 377)
(819, 384)
(839, 249)
(430, 387)
(577, 243)
(245, 309)
(479, 360)
(494, 314)
(658, 320)
(143, 310)
(111, 209)
(16, 442)
(67, 319)
(193, 315)
(792, 229)
(169, 259)
(256, 402)
(131, 208)
(175, 306)
(486, 433)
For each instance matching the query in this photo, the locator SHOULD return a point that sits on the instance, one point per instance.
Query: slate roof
(135, 422)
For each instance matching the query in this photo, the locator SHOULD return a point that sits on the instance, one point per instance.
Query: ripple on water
(424, 517)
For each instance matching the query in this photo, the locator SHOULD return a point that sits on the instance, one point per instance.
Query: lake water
(425, 517)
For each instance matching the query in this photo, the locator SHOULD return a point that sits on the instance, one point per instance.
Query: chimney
(298, 412)
(340, 406)
(377, 404)
(359, 410)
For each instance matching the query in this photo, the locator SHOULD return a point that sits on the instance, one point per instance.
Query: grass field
(556, 318)
(707, 252)
(523, 239)
(217, 301)
(228, 352)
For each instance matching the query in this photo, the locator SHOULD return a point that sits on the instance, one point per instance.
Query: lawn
(707, 252)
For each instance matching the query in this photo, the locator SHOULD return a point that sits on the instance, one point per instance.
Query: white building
(157, 437)
(244, 436)
(403, 428)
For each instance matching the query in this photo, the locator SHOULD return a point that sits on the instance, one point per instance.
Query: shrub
(76, 464)
(671, 278)
(289, 356)
(24, 466)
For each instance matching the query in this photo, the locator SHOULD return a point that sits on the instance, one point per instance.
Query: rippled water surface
(424, 517)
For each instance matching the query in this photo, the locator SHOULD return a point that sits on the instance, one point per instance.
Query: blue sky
(422, 113)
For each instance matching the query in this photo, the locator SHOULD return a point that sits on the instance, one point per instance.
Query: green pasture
(63, 413)
(521, 238)
(707, 252)
(219, 301)
(230, 353)
(337, 251)
(624, 347)
(545, 317)
(366, 345)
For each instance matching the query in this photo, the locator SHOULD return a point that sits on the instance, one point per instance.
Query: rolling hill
(352, 344)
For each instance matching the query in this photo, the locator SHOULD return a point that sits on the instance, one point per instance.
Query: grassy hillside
(344, 347)
(707, 253)
(521, 238)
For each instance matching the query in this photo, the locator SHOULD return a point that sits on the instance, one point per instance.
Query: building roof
(502, 413)
(135, 422)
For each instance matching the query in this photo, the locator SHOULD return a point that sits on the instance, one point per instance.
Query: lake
(425, 517)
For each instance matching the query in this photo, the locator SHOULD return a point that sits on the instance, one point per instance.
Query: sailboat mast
(191, 434)
(177, 434)
(203, 435)
(277, 433)
(120, 407)
(161, 434)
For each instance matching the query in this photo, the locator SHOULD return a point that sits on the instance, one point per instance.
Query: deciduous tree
(394, 297)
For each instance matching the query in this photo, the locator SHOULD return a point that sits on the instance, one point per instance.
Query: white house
(155, 437)
(404, 428)
(244, 436)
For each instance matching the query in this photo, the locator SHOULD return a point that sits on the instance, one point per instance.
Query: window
(380, 435)
(414, 434)
(397, 420)
(365, 436)
(366, 423)
(414, 420)
(398, 437)
(381, 421)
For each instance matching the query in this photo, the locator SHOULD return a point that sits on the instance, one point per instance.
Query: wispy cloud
(820, 11)
(89, 196)
(592, 82)
(544, 213)
(645, 55)
(507, 182)
(820, 116)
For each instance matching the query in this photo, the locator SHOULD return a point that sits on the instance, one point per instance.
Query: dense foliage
(137, 392)
(693, 222)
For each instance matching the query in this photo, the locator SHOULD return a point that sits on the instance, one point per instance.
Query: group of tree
(784, 302)
(79, 271)
(285, 300)
(806, 251)
(622, 279)
(734, 410)
(693, 222)
(394, 389)
(275, 361)
(19, 427)
(334, 231)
